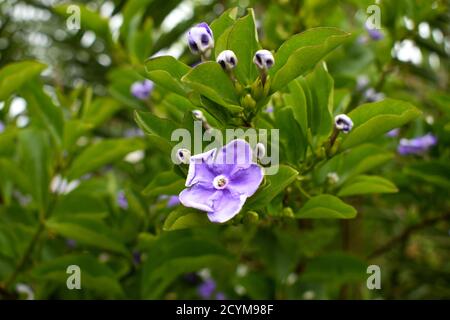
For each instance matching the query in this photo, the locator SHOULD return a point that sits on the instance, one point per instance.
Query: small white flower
(343, 123)
(241, 270)
(264, 59)
(227, 60)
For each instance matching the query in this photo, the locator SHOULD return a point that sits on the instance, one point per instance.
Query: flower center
(220, 182)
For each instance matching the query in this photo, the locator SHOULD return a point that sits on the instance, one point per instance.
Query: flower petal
(199, 170)
(246, 181)
(197, 197)
(225, 206)
(236, 154)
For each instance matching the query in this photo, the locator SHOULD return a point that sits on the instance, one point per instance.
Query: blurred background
(406, 233)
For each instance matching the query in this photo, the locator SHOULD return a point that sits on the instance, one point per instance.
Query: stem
(26, 256)
(402, 237)
(331, 141)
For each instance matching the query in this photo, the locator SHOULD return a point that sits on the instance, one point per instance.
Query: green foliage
(86, 176)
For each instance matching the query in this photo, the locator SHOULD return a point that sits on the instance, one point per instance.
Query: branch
(405, 234)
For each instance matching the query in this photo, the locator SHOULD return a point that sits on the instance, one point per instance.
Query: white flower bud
(343, 123)
(227, 60)
(183, 155)
(198, 115)
(260, 150)
(264, 59)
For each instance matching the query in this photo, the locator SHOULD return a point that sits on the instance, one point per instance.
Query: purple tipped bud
(200, 39)
(343, 123)
(183, 155)
(227, 60)
(264, 59)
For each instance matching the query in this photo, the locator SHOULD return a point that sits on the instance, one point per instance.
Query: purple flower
(220, 296)
(393, 133)
(206, 289)
(375, 34)
(2, 127)
(122, 201)
(269, 109)
(220, 181)
(371, 95)
(200, 39)
(417, 145)
(142, 89)
(173, 201)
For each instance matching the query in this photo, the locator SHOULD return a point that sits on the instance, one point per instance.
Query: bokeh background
(406, 233)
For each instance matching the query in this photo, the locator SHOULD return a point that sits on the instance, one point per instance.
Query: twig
(405, 234)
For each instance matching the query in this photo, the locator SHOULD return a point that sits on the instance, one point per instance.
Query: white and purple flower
(201, 39)
(417, 145)
(220, 181)
(142, 89)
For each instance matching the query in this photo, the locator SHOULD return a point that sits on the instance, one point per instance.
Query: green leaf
(364, 184)
(179, 252)
(87, 231)
(183, 218)
(210, 80)
(42, 109)
(297, 99)
(337, 268)
(100, 110)
(14, 75)
(165, 183)
(10, 170)
(34, 154)
(167, 72)
(95, 276)
(295, 149)
(274, 184)
(242, 39)
(103, 153)
(373, 119)
(349, 163)
(326, 206)
(301, 53)
(154, 125)
(226, 20)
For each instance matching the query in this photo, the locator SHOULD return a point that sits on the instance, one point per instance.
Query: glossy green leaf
(242, 39)
(210, 80)
(326, 206)
(274, 184)
(295, 149)
(364, 184)
(373, 119)
(87, 231)
(96, 277)
(14, 75)
(165, 183)
(167, 72)
(301, 53)
(183, 218)
(43, 110)
(103, 153)
(154, 125)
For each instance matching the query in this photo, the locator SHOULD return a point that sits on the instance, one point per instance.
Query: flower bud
(227, 60)
(343, 123)
(183, 155)
(200, 39)
(198, 115)
(260, 150)
(264, 59)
